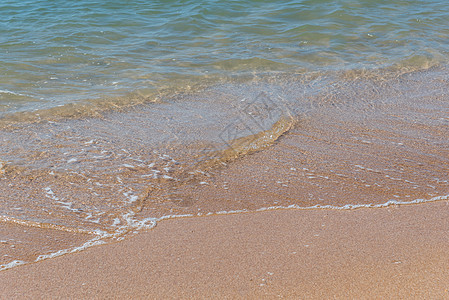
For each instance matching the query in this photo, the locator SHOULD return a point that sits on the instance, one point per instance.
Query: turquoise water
(58, 52)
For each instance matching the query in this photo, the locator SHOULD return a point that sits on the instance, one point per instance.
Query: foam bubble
(12, 264)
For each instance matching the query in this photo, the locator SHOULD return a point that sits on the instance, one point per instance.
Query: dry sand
(396, 252)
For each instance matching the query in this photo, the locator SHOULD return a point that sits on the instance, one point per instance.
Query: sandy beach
(224, 150)
(395, 252)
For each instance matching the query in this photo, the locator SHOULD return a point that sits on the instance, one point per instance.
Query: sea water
(58, 52)
(115, 115)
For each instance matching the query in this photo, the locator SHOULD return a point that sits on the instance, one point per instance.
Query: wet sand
(394, 252)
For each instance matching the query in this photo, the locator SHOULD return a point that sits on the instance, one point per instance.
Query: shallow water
(58, 52)
(115, 117)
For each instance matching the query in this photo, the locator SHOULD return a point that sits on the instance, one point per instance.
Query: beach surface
(394, 252)
(224, 149)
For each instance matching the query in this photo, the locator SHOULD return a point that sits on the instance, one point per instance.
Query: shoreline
(357, 141)
(398, 251)
(242, 150)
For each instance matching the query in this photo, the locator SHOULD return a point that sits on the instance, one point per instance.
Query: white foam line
(175, 217)
(98, 240)
(12, 93)
(34, 224)
(295, 206)
(12, 264)
(344, 207)
(88, 244)
(148, 223)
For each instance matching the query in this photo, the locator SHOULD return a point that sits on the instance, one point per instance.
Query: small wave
(249, 144)
(96, 107)
(19, 96)
(12, 93)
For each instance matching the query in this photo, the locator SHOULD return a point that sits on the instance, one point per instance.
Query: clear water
(117, 114)
(58, 52)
